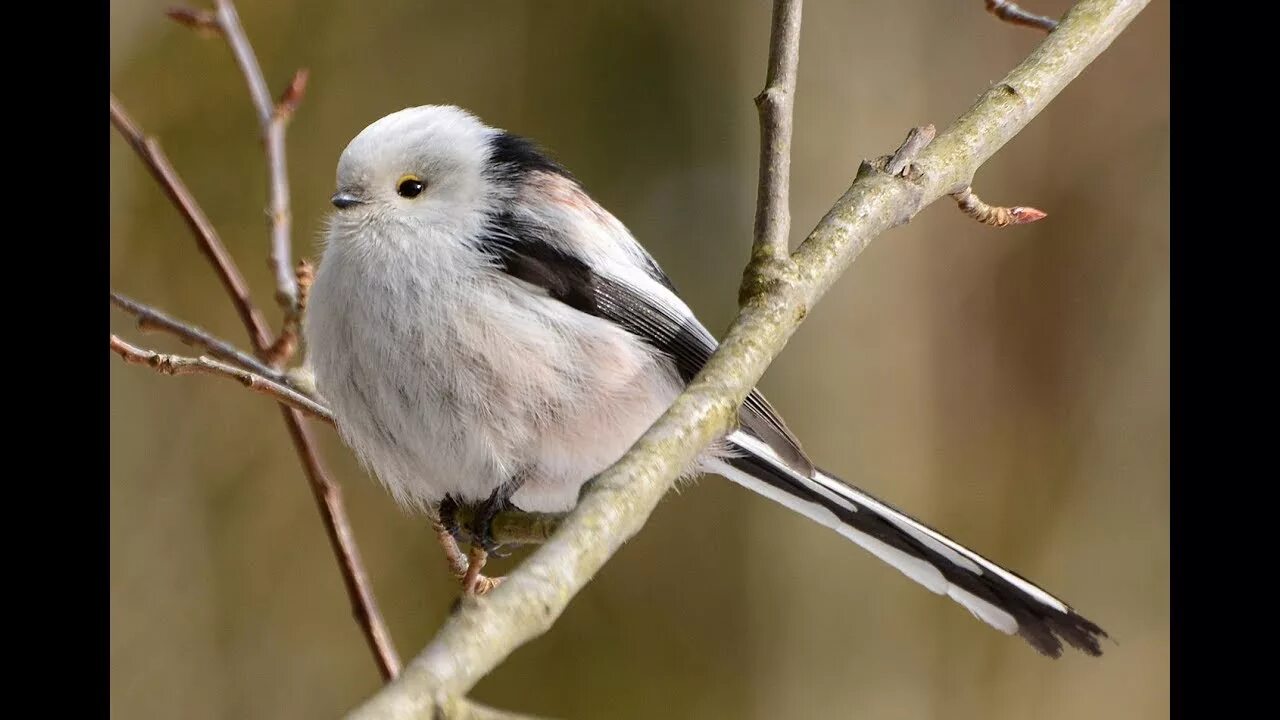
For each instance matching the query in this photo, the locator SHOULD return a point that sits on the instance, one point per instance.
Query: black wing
(523, 254)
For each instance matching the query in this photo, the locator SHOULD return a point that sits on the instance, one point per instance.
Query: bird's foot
(448, 512)
(474, 583)
(481, 526)
(466, 568)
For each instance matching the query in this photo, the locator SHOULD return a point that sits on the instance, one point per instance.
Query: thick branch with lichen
(616, 505)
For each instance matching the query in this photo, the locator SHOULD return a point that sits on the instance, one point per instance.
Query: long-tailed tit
(485, 332)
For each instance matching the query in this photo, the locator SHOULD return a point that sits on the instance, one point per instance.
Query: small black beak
(343, 200)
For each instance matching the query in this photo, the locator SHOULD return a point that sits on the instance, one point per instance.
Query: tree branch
(206, 237)
(770, 248)
(513, 527)
(272, 383)
(327, 495)
(464, 709)
(615, 506)
(150, 318)
(179, 365)
(1014, 15)
(272, 119)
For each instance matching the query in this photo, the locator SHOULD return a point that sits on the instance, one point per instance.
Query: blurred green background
(1010, 387)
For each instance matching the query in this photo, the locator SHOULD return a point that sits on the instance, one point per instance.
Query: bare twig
(305, 275)
(328, 497)
(326, 494)
(775, 105)
(286, 343)
(1011, 13)
(272, 118)
(292, 95)
(616, 505)
(150, 318)
(994, 215)
(202, 21)
(179, 365)
(210, 244)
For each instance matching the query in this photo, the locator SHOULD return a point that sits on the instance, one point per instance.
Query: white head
(419, 165)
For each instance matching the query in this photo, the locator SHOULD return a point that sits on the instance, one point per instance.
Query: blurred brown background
(1010, 387)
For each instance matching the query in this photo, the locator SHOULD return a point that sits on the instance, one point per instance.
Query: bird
(488, 335)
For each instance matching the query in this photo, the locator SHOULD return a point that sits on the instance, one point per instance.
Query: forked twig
(272, 118)
(150, 318)
(206, 237)
(180, 365)
(327, 495)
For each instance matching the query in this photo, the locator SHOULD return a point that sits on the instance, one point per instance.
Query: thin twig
(150, 318)
(272, 118)
(994, 215)
(202, 21)
(775, 106)
(286, 343)
(481, 633)
(179, 365)
(326, 494)
(1011, 13)
(328, 497)
(210, 244)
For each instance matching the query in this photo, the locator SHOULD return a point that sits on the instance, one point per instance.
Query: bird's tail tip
(998, 597)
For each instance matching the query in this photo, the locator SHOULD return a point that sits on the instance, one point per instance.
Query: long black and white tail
(993, 594)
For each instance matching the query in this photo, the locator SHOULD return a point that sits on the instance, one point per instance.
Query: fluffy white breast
(447, 376)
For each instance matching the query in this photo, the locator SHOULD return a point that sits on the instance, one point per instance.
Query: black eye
(410, 186)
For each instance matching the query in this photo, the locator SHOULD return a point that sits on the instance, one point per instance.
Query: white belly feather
(455, 384)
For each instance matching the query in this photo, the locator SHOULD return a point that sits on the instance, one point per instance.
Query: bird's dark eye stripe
(410, 186)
